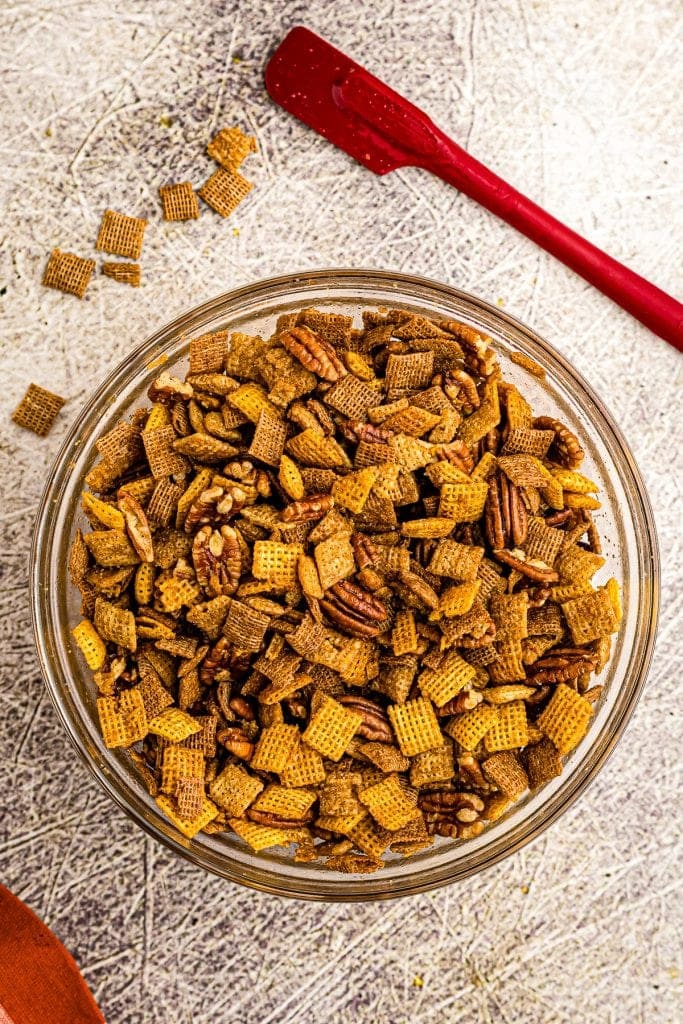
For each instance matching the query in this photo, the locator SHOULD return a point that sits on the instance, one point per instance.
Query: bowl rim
(576, 783)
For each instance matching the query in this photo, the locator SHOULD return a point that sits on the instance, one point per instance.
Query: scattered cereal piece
(121, 235)
(225, 190)
(230, 147)
(38, 410)
(68, 273)
(179, 201)
(124, 273)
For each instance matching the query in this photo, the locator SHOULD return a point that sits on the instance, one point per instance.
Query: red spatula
(39, 981)
(372, 123)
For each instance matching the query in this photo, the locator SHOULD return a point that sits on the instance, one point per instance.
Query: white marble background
(579, 104)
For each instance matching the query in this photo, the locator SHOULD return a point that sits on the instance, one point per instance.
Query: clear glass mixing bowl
(625, 522)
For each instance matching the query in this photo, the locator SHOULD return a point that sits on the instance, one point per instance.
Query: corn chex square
(188, 826)
(334, 560)
(331, 728)
(285, 802)
(311, 448)
(509, 730)
(276, 562)
(352, 491)
(174, 725)
(306, 768)
(459, 598)
(578, 565)
(122, 719)
(261, 837)
(565, 718)
(388, 804)
(276, 747)
(90, 644)
(432, 766)
(452, 675)
(180, 763)
(370, 837)
(458, 561)
(234, 790)
(464, 503)
(469, 728)
(415, 726)
(404, 633)
(115, 624)
(508, 666)
(590, 616)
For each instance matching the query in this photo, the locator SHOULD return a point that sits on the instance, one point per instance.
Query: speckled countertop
(577, 103)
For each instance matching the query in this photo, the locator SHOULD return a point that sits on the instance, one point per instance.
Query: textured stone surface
(579, 104)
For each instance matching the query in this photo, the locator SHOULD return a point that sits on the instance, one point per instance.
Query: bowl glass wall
(625, 522)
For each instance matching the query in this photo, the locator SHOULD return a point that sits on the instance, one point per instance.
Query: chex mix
(338, 587)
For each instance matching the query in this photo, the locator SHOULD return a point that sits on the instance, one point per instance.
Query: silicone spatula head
(343, 102)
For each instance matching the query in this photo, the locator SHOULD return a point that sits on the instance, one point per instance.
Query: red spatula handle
(662, 313)
(389, 119)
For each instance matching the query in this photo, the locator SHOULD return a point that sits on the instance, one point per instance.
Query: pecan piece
(356, 430)
(214, 506)
(464, 701)
(364, 550)
(137, 526)
(356, 611)
(169, 390)
(237, 742)
(313, 352)
(565, 449)
(217, 560)
(307, 509)
(533, 568)
(275, 821)
(375, 725)
(461, 389)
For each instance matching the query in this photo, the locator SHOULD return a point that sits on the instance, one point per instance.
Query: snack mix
(337, 592)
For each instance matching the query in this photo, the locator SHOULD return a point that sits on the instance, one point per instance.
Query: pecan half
(458, 454)
(565, 449)
(307, 509)
(532, 568)
(364, 551)
(275, 821)
(137, 526)
(354, 610)
(506, 518)
(217, 560)
(461, 389)
(313, 352)
(375, 725)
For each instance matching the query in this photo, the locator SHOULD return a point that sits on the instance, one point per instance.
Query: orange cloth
(39, 979)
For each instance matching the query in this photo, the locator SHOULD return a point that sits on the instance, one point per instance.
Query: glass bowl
(625, 522)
